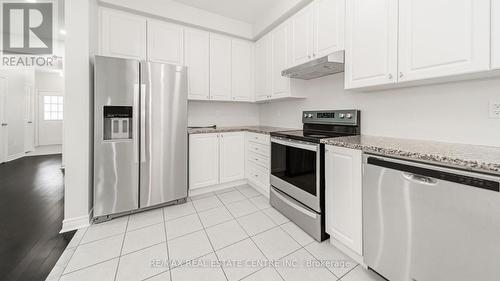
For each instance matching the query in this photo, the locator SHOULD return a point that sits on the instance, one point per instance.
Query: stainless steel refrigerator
(140, 136)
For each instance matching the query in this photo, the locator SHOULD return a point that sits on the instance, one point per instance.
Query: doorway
(3, 120)
(50, 118)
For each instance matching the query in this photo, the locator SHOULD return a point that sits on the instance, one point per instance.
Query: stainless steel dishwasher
(428, 223)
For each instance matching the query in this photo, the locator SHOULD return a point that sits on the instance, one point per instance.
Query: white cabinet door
(242, 70)
(343, 196)
(203, 160)
(371, 42)
(329, 18)
(232, 156)
(263, 54)
(495, 33)
(197, 46)
(280, 60)
(122, 34)
(165, 42)
(220, 67)
(443, 37)
(302, 35)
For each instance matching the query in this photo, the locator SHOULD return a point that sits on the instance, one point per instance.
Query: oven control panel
(341, 117)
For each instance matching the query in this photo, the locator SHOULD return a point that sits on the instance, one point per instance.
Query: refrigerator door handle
(143, 123)
(135, 124)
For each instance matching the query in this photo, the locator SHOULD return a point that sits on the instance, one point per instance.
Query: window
(52, 108)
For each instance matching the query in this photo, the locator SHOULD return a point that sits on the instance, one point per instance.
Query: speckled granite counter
(254, 129)
(485, 159)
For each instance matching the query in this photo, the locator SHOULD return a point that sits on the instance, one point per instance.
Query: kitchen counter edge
(474, 158)
(253, 129)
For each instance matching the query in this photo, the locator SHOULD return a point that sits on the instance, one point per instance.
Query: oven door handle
(296, 144)
(294, 205)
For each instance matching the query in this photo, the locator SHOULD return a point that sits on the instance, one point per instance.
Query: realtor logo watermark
(27, 34)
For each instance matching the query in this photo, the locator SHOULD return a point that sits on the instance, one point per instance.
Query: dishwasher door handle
(419, 179)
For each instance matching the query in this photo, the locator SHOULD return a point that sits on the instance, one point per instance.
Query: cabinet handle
(314, 55)
(389, 76)
(401, 75)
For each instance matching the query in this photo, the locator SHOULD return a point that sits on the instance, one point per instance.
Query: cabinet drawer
(259, 148)
(258, 175)
(259, 138)
(259, 159)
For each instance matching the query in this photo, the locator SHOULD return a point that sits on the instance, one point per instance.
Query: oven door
(295, 170)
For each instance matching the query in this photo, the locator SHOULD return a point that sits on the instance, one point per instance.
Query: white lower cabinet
(203, 160)
(258, 161)
(232, 156)
(216, 158)
(343, 196)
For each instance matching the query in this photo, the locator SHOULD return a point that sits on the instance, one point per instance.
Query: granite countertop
(485, 159)
(254, 129)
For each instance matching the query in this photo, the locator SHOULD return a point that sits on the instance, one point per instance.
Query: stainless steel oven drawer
(306, 219)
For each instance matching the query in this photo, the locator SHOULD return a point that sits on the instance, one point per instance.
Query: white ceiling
(249, 11)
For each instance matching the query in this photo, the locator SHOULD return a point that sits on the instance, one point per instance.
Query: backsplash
(452, 112)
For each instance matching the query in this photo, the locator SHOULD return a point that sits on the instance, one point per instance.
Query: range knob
(305, 115)
(342, 115)
(310, 116)
(348, 116)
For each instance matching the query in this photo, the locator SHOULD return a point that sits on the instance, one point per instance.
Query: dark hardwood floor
(31, 208)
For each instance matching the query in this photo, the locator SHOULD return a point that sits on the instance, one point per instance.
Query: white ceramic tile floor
(211, 237)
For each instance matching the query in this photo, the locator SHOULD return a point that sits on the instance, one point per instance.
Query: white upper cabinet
(122, 34)
(443, 37)
(495, 34)
(165, 42)
(232, 156)
(371, 43)
(280, 60)
(197, 52)
(242, 86)
(203, 160)
(303, 35)
(220, 67)
(343, 196)
(263, 56)
(329, 16)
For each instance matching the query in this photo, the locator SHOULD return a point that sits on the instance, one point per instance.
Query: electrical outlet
(495, 109)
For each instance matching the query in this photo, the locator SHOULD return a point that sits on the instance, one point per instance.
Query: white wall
(181, 13)
(452, 112)
(77, 136)
(17, 79)
(202, 113)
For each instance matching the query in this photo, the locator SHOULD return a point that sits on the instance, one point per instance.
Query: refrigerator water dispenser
(117, 123)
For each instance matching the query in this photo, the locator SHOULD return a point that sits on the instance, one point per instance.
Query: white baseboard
(212, 188)
(15, 156)
(75, 223)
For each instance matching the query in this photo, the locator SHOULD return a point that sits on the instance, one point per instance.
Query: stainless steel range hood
(331, 64)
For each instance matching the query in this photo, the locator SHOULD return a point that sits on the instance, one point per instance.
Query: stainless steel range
(297, 167)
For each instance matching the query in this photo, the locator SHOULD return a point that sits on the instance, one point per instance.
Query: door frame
(29, 115)
(4, 131)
